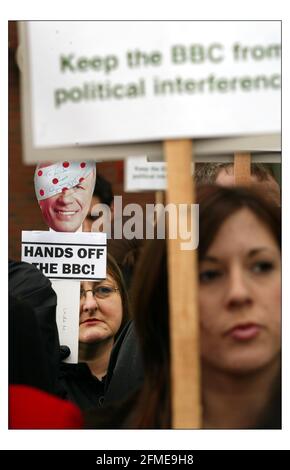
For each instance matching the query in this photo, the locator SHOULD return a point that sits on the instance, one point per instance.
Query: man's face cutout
(64, 192)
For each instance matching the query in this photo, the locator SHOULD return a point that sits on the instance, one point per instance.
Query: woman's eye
(103, 290)
(262, 267)
(209, 275)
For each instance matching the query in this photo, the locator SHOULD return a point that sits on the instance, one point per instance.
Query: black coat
(31, 291)
(125, 371)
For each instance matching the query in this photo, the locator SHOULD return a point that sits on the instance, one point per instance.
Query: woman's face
(100, 310)
(240, 297)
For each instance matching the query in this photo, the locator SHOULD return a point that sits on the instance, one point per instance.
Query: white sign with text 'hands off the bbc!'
(120, 82)
(62, 255)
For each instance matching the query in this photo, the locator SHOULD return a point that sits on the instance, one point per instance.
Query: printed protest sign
(141, 175)
(114, 83)
(59, 255)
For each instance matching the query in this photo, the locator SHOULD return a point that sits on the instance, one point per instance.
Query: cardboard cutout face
(64, 192)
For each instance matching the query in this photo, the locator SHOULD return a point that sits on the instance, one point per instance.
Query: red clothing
(31, 408)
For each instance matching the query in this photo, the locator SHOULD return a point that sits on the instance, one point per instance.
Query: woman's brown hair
(114, 271)
(217, 204)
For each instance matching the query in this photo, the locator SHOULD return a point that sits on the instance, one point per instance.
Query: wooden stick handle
(242, 169)
(182, 270)
(159, 197)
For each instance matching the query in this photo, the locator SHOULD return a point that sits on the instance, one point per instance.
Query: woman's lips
(90, 321)
(244, 332)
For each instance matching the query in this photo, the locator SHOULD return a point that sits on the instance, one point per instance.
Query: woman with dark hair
(104, 311)
(239, 303)
(240, 309)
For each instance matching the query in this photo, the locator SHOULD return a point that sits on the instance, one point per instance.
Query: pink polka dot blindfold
(54, 179)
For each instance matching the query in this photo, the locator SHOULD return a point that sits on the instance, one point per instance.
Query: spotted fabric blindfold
(60, 176)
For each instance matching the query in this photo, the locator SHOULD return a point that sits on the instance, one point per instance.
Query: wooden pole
(159, 199)
(184, 323)
(242, 169)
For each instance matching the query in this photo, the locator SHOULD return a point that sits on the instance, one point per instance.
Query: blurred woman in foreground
(240, 318)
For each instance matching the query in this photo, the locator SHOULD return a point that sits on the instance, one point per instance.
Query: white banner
(120, 82)
(62, 255)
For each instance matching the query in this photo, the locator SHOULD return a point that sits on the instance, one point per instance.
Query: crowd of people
(122, 379)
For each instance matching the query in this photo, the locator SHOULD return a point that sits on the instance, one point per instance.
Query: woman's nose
(238, 289)
(89, 302)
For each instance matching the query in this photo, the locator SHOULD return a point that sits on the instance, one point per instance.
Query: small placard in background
(142, 175)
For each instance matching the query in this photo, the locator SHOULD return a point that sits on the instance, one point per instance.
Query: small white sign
(141, 175)
(62, 255)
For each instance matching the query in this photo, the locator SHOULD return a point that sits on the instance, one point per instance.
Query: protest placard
(185, 79)
(142, 175)
(61, 255)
